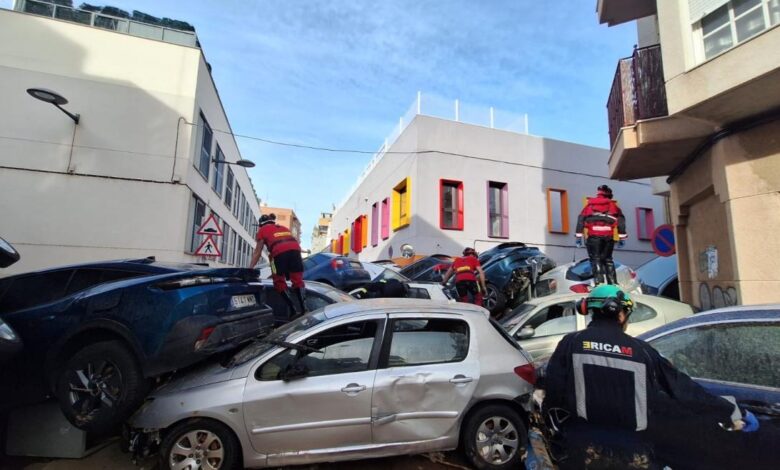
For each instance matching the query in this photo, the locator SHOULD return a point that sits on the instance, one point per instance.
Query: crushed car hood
(204, 374)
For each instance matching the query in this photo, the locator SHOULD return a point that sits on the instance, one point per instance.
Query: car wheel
(495, 438)
(200, 444)
(100, 386)
(495, 300)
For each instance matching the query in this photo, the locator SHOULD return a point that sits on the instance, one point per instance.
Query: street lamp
(52, 97)
(244, 163)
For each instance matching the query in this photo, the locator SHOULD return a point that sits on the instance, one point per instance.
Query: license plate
(243, 301)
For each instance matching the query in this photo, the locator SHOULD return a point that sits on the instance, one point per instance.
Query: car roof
(769, 312)
(149, 265)
(396, 305)
(576, 296)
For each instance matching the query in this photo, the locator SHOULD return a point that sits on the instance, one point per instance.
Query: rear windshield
(505, 335)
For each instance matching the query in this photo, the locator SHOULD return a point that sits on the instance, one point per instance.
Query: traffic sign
(663, 240)
(210, 227)
(208, 248)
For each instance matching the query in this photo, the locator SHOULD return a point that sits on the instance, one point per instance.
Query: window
(219, 173)
(736, 22)
(451, 205)
(198, 211)
(364, 232)
(35, 290)
(557, 319)
(223, 244)
(206, 137)
(557, 211)
(229, 188)
(642, 312)
(342, 349)
(428, 341)
(229, 235)
(386, 218)
(741, 353)
(357, 229)
(241, 207)
(645, 223)
(345, 246)
(375, 224)
(401, 204)
(236, 199)
(498, 210)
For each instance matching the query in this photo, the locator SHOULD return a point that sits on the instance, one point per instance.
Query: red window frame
(647, 214)
(459, 216)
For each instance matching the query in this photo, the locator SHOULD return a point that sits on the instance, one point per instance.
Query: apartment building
(443, 185)
(148, 160)
(700, 107)
(286, 217)
(319, 236)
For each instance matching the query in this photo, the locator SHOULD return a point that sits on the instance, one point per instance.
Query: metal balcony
(638, 90)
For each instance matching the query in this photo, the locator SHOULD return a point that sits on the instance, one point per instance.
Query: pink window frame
(647, 213)
(504, 209)
(375, 224)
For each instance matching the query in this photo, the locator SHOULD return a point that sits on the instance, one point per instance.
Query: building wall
(285, 217)
(529, 165)
(116, 192)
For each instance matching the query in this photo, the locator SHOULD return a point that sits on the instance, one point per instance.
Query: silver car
(354, 380)
(538, 325)
(578, 277)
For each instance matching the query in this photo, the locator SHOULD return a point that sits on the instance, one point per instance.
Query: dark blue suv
(335, 270)
(95, 334)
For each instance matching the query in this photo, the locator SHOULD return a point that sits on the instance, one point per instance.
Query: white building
(444, 185)
(135, 176)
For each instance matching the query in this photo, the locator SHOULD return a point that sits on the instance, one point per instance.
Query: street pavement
(111, 458)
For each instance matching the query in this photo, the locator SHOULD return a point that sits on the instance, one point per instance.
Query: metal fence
(113, 23)
(638, 90)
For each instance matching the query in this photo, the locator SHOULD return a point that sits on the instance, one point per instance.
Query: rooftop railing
(638, 90)
(104, 21)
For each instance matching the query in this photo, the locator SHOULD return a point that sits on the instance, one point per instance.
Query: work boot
(611, 274)
(290, 304)
(300, 294)
(599, 276)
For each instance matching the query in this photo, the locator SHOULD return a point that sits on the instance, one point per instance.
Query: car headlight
(6, 332)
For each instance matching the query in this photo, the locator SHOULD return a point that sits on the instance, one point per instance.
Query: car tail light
(633, 273)
(204, 336)
(526, 372)
(191, 281)
(579, 288)
(337, 263)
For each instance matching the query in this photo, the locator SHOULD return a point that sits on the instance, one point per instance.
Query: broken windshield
(283, 334)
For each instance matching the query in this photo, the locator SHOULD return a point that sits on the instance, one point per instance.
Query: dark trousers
(600, 254)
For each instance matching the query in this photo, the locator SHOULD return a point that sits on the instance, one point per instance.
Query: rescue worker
(465, 280)
(610, 384)
(284, 255)
(601, 222)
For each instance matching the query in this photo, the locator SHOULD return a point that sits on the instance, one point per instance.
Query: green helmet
(610, 298)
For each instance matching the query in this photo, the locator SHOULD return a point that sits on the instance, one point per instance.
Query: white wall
(527, 164)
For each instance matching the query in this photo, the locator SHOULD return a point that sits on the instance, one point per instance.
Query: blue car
(732, 352)
(95, 334)
(335, 270)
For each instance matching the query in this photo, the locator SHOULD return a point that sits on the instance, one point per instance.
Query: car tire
(495, 300)
(100, 386)
(491, 430)
(205, 439)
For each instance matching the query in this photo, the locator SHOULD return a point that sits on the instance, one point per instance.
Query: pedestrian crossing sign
(208, 248)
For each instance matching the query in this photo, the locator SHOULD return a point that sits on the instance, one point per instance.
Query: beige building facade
(701, 108)
(285, 217)
(319, 236)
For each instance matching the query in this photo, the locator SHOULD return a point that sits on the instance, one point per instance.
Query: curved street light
(53, 98)
(243, 163)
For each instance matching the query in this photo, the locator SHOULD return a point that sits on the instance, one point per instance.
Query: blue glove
(621, 244)
(751, 422)
(578, 242)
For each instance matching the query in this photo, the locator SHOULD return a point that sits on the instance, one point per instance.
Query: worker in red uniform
(284, 255)
(465, 279)
(601, 222)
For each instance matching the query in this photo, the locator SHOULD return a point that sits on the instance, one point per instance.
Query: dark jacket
(607, 378)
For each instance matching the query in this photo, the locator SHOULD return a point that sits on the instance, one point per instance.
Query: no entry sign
(663, 240)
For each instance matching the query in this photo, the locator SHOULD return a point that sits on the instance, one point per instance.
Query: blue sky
(339, 73)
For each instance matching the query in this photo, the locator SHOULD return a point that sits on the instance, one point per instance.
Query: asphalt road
(111, 458)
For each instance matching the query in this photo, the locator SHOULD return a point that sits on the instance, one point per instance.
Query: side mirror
(8, 254)
(296, 370)
(526, 332)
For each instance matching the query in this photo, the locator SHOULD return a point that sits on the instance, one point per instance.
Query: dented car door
(429, 370)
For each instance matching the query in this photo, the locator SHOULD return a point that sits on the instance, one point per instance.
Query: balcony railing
(638, 90)
(113, 23)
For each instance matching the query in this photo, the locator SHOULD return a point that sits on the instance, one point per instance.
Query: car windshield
(288, 331)
(516, 316)
(387, 274)
(658, 270)
(584, 271)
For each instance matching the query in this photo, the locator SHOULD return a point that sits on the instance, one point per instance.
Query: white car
(578, 277)
(540, 323)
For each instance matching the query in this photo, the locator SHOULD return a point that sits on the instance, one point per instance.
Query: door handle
(461, 379)
(353, 388)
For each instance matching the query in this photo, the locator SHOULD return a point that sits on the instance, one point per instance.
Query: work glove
(621, 244)
(751, 422)
(578, 242)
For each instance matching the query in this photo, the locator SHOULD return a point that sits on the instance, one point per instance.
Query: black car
(335, 270)
(732, 352)
(318, 295)
(95, 334)
(428, 269)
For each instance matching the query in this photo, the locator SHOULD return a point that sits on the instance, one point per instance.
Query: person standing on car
(612, 386)
(467, 270)
(284, 255)
(601, 222)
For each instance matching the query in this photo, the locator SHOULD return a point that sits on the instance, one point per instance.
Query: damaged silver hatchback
(354, 380)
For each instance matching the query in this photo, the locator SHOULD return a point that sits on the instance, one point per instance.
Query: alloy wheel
(490, 298)
(497, 440)
(94, 386)
(197, 450)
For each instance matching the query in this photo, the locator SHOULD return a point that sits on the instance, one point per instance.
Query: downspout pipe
(729, 130)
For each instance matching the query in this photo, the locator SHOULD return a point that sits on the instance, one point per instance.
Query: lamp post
(243, 163)
(54, 98)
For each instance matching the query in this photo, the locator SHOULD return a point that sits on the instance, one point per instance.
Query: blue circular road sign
(663, 240)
